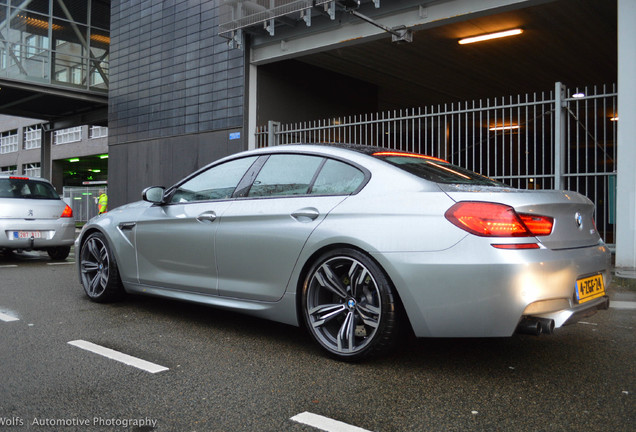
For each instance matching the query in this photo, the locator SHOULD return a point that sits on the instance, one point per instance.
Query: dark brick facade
(173, 82)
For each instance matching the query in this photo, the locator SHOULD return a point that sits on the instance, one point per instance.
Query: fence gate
(83, 201)
(562, 139)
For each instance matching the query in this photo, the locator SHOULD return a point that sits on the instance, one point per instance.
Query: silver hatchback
(34, 217)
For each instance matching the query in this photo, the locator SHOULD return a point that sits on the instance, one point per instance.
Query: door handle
(208, 216)
(306, 214)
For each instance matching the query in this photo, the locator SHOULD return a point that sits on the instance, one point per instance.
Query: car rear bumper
(459, 292)
(59, 233)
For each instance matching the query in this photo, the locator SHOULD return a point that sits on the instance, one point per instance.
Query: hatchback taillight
(497, 220)
(68, 212)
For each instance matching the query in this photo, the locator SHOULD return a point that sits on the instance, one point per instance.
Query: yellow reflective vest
(102, 203)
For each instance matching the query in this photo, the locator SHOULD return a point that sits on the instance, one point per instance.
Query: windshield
(14, 187)
(435, 170)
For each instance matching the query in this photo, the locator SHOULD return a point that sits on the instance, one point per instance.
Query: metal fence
(561, 139)
(83, 201)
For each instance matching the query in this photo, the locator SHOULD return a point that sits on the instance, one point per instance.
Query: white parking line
(118, 356)
(325, 423)
(8, 318)
(623, 305)
(61, 263)
(8, 266)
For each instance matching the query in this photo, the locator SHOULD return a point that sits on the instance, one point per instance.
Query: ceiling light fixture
(501, 128)
(489, 36)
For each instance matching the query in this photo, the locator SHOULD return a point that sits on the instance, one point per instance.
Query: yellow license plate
(589, 288)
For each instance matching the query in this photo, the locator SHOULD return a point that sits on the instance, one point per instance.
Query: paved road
(228, 372)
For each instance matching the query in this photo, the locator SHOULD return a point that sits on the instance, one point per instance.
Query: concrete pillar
(45, 153)
(626, 188)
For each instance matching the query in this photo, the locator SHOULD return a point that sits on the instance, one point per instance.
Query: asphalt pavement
(223, 371)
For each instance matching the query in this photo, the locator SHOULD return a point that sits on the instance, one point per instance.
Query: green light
(95, 170)
(74, 160)
(103, 157)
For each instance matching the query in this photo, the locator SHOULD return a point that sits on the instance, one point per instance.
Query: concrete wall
(291, 91)
(173, 83)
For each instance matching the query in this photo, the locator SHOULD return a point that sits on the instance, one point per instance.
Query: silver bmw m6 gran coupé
(356, 243)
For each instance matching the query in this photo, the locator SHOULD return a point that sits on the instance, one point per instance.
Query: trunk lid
(572, 212)
(20, 208)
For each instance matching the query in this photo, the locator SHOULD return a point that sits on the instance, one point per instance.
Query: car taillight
(68, 212)
(497, 220)
(538, 225)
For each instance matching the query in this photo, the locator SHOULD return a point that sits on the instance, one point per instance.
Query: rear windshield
(26, 189)
(435, 170)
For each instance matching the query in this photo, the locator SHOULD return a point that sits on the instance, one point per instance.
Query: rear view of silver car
(34, 217)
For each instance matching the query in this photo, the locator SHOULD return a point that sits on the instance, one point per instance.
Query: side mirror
(153, 194)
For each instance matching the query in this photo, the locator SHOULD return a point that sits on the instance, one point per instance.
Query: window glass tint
(285, 175)
(438, 171)
(216, 183)
(27, 189)
(337, 178)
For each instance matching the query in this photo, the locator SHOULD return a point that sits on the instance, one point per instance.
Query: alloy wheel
(343, 305)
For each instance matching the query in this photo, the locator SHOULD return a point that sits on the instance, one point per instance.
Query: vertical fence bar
(559, 135)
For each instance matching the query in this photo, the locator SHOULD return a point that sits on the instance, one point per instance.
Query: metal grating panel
(239, 14)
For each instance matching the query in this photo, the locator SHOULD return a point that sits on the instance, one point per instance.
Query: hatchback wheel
(98, 270)
(349, 306)
(59, 253)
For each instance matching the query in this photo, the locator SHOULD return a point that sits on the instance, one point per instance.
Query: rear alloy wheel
(98, 270)
(349, 306)
(59, 253)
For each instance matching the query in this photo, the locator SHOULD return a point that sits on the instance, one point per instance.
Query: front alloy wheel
(98, 270)
(348, 305)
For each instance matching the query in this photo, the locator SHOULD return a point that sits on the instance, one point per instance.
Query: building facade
(79, 154)
(177, 93)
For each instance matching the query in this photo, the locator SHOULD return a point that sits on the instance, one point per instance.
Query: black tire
(98, 270)
(349, 306)
(59, 253)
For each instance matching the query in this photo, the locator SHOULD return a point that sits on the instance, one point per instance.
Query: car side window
(285, 174)
(215, 183)
(337, 178)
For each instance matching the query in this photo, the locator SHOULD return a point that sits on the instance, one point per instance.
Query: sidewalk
(622, 292)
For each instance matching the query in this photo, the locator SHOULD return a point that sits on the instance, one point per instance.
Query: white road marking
(325, 423)
(8, 318)
(60, 263)
(118, 356)
(8, 266)
(623, 305)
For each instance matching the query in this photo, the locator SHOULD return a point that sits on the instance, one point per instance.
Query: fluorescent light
(103, 157)
(490, 36)
(74, 160)
(501, 128)
(578, 95)
(614, 118)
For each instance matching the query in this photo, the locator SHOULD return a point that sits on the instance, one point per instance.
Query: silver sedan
(356, 243)
(34, 217)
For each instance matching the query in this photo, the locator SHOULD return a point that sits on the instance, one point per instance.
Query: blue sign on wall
(235, 135)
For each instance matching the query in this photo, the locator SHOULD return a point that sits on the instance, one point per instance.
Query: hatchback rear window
(435, 170)
(26, 189)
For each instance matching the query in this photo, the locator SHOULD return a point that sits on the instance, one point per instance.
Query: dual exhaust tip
(536, 326)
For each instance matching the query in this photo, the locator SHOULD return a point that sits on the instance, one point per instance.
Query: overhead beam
(414, 15)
